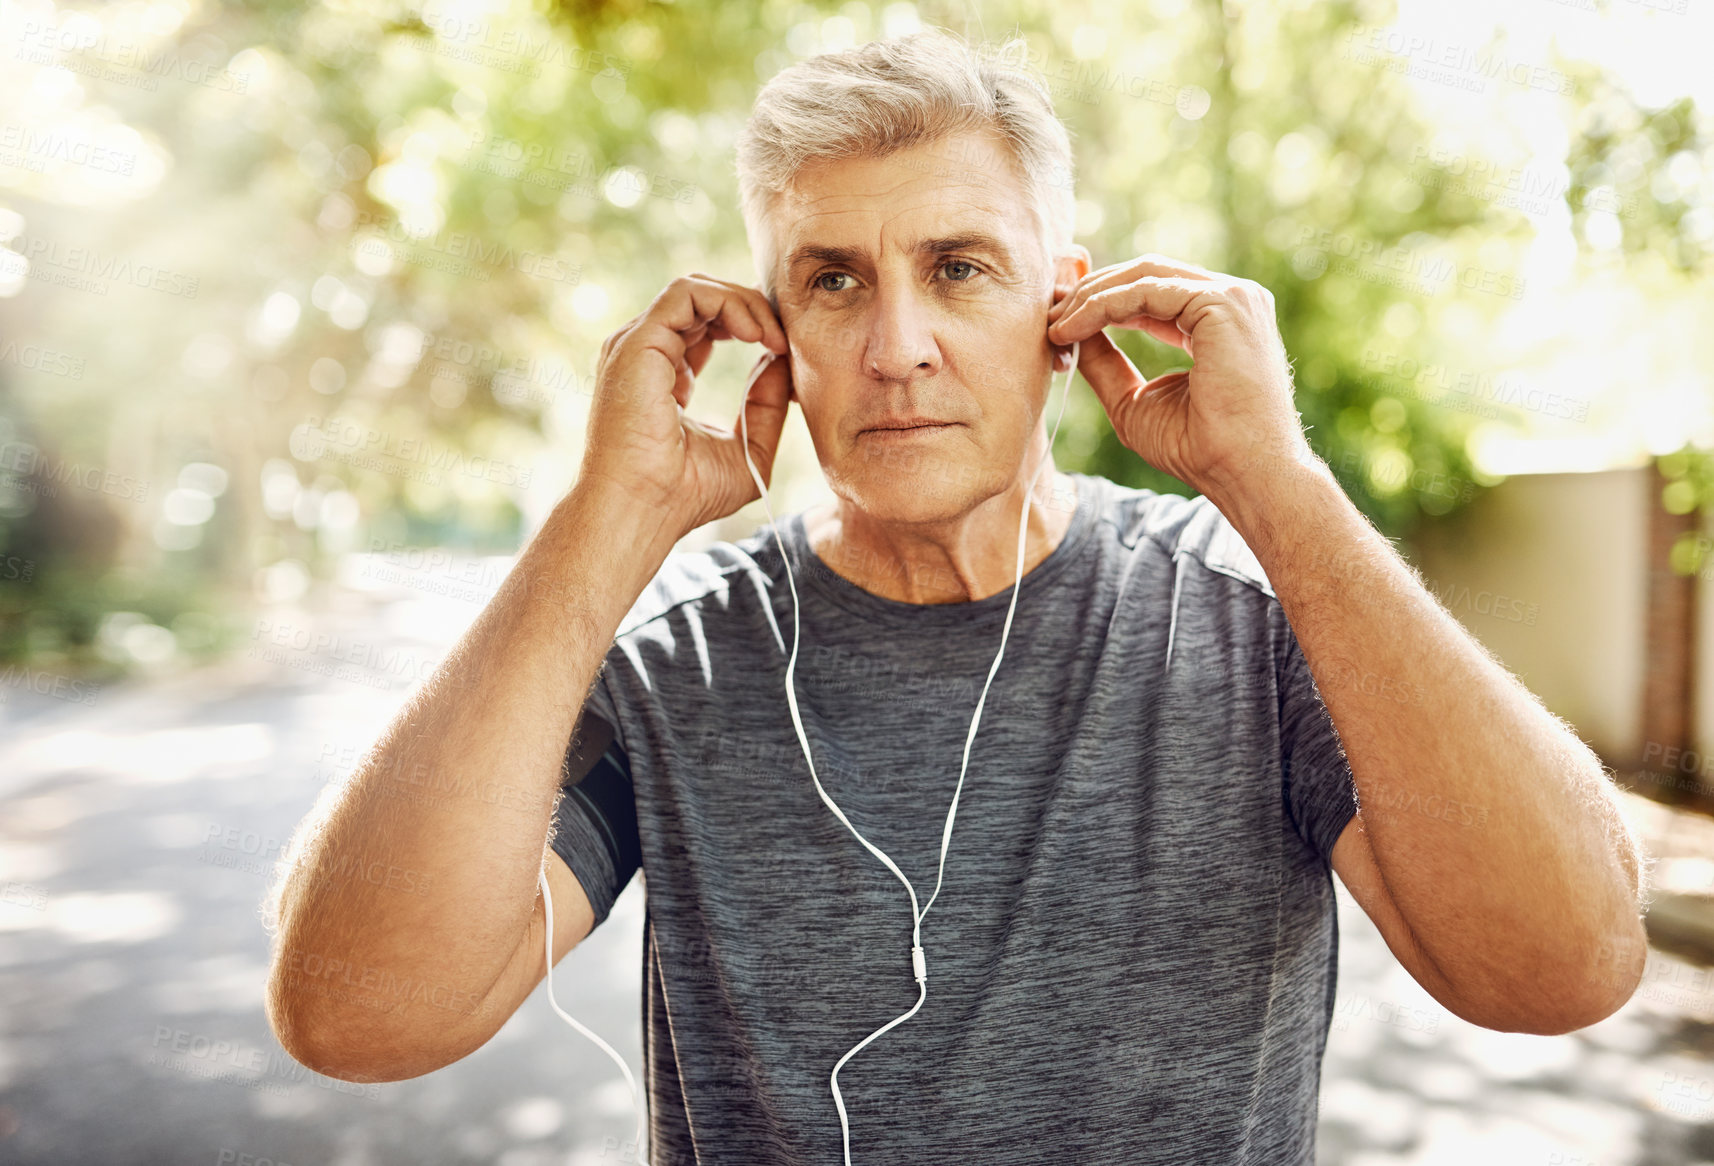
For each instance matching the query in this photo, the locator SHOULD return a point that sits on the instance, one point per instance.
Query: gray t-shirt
(1133, 954)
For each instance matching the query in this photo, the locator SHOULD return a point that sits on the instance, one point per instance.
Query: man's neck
(968, 558)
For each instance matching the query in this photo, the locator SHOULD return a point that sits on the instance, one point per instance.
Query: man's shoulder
(693, 575)
(1191, 527)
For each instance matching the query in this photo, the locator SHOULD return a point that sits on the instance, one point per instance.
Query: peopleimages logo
(42, 360)
(323, 653)
(365, 447)
(374, 987)
(49, 684)
(529, 48)
(236, 1063)
(80, 45)
(86, 269)
(58, 146)
(1384, 1012)
(386, 231)
(1470, 390)
(20, 461)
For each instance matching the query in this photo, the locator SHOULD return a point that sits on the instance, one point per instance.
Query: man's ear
(774, 303)
(1071, 266)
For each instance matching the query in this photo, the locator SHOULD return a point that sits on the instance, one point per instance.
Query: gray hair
(888, 95)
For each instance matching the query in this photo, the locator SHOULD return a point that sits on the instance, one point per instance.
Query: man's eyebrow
(968, 241)
(822, 253)
(963, 241)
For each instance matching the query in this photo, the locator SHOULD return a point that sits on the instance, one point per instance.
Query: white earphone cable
(919, 965)
(918, 961)
(636, 1100)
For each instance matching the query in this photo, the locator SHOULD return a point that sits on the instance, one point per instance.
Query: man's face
(913, 287)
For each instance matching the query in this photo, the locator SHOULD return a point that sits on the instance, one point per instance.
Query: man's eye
(960, 263)
(831, 275)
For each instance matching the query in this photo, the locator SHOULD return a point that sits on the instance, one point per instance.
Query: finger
(1166, 331)
(703, 301)
(773, 332)
(764, 415)
(1131, 270)
(773, 335)
(699, 348)
(701, 345)
(684, 383)
(1111, 374)
(698, 353)
(618, 336)
(1173, 301)
(1098, 280)
(685, 315)
(1152, 263)
(738, 318)
(776, 339)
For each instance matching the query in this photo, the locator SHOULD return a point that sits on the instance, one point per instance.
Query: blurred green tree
(415, 224)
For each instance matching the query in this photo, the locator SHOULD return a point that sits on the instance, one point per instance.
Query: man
(1131, 957)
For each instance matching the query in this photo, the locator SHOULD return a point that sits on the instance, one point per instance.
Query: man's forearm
(419, 869)
(1545, 889)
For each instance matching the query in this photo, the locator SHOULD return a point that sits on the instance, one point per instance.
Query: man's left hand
(1214, 424)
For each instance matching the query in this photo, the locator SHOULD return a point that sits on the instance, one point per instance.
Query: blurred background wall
(1567, 548)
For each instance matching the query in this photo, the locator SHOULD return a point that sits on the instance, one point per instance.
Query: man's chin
(917, 489)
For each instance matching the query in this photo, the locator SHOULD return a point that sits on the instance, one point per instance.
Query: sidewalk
(137, 834)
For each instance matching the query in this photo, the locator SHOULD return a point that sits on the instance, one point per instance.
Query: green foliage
(414, 228)
(1634, 172)
(1689, 474)
(1635, 177)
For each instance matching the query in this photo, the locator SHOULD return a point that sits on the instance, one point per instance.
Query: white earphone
(919, 964)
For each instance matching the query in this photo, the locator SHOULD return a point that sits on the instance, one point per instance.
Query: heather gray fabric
(1132, 958)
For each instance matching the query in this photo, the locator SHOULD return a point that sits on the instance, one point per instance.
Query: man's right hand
(639, 436)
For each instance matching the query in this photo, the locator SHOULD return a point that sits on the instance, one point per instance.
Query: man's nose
(900, 341)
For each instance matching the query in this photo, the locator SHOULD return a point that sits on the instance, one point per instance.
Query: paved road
(138, 825)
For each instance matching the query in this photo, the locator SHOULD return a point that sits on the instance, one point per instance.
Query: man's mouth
(907, 428)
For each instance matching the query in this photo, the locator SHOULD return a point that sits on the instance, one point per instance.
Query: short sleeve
(1320, 792)
(595, 819)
